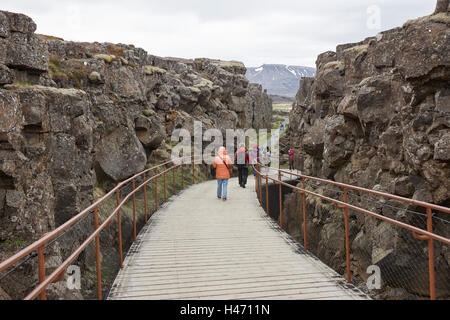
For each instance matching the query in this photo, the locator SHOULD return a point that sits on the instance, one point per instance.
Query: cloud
(253, 31)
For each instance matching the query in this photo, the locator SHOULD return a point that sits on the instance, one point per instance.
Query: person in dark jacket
(242, 160)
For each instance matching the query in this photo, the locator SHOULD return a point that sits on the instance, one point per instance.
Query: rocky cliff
(377, 115)
(74, 115)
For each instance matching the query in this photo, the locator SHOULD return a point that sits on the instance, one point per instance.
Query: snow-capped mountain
(279, 79)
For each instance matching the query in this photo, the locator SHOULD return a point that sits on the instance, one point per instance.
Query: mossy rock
(106, 57)
(204, 83)
(95, 76)
(21, 84)
(338, 65)
(195, 90)
(148, 113)
(358, 50)
(150, 70)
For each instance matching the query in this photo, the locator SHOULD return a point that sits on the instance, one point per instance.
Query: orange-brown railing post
(281, 201)
(134, 211)
(347, 241)
(260, 186)
(145, 199)
(119, 228)
(207, 173)
(256, 182)
(97, 257)
(267, 195)
(41, 266)
(156, 191)
(431, 254)
(305, 243)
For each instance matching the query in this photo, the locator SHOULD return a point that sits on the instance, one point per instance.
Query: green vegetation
(150, 70)
(22, 83)
(60, 70)
(14, 243)
(106, 57)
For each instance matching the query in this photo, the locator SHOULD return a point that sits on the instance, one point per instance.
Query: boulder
(121, 154)
(27, 52)
(150, 131)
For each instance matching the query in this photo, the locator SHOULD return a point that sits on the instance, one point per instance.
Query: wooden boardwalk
(198, 247)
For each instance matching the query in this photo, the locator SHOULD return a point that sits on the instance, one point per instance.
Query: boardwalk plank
(197, 247)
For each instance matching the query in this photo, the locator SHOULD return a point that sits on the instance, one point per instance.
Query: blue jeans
(222, 185)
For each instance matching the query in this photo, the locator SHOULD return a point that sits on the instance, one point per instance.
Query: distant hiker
(266, 160)
(255, 159)
(291, 159)
(242, 161)
(223, 164)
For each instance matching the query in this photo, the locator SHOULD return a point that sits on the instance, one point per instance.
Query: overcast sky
(290, 32)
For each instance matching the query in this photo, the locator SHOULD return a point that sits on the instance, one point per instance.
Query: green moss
(148, 112)
(60, 71)
(150, 70)
(106, 57)
(337, 65)
(13, 243)
(22, 83)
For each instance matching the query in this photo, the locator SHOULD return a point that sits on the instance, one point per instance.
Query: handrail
(418, 233)
(39, 245)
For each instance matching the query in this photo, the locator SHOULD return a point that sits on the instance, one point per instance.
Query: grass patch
(14, 243)
(22, 83)
(61, 71)
(106, 57)
(150, 70)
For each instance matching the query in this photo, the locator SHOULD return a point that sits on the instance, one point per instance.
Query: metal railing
(58, 274)
(418, 233)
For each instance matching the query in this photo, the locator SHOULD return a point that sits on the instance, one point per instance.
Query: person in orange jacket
(222, 163)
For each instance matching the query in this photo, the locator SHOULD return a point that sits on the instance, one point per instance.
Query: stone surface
(377, 116)
(76, 115)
